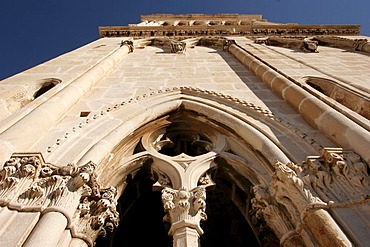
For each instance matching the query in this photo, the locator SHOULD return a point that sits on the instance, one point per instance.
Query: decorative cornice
(232, 30)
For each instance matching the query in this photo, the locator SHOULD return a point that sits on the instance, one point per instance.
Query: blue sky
(34, 31)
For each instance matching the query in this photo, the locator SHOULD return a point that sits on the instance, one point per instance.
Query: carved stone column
(47, 231)
(185, 209)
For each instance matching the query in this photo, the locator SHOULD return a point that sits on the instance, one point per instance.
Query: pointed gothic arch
(219, 131)
(248, 138)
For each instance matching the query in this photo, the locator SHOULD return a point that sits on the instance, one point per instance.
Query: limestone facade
(276, 117)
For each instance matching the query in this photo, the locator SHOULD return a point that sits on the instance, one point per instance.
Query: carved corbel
(305, 45)
(129, 44)
(177, 46)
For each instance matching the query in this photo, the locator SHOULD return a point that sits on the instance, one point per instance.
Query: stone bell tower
(189, 130)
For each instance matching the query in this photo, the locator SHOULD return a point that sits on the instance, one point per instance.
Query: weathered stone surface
(186, 98)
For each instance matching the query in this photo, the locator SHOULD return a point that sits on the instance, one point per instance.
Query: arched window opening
(22, 95)
(141, 215)
(347, 97)
(229, 202)
(225, 225)
(46, 85)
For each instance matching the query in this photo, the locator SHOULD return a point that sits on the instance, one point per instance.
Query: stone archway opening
(225, 225)
(142, 224)
(184, 148)
(231, 220)
(141, 215)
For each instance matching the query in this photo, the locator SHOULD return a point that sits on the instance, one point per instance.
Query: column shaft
(186, 236)
(48, 230)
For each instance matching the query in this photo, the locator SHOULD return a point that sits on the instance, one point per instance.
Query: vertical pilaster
(50, 111)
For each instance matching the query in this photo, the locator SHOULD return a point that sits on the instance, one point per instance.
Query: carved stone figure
(177, 46)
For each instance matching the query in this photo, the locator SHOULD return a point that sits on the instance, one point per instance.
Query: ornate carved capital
(337, 175)
(27, 183)
(184, 208)
(96, 214)
(336, 179)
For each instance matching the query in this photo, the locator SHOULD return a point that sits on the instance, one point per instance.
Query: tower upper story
(219, 25)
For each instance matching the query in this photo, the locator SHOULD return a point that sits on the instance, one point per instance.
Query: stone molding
(305, 45)
(28, 184)
(310, 44)
(191, 91)
(317, 113)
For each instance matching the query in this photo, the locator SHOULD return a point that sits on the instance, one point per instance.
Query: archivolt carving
(205, 96)
(27, 183)
(280, 214)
